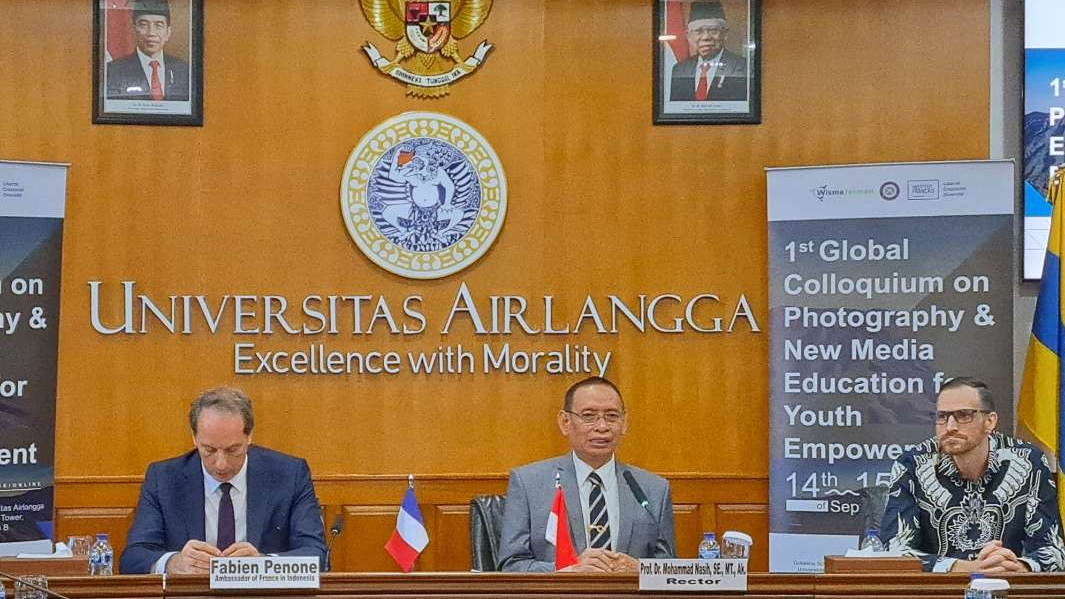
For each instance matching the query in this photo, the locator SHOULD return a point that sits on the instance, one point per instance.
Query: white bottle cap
(989, 584)
(737, 537)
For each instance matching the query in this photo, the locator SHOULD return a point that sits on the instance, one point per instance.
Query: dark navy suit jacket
(283, 513)
(126, 79)
(730, 79)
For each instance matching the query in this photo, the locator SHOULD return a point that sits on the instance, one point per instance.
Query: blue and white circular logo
(423, 195)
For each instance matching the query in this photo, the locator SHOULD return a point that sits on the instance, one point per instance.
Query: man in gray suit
(617, 513)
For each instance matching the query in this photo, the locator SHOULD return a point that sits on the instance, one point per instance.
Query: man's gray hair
(223, 399)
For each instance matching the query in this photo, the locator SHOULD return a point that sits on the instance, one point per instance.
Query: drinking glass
(736, 545)
(79, 545)
(25, 591)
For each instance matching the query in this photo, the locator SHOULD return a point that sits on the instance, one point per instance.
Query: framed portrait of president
(707, 65)
(148, 62)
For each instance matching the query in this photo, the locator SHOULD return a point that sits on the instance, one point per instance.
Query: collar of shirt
(713, 61)
(146, 62)
(239, 482)
(607, 472)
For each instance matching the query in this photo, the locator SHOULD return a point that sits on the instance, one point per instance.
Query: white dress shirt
(714, 62)
(212, 498)
(146, 64)
(608, 474)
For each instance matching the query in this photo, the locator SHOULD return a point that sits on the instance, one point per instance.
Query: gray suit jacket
(524, 548)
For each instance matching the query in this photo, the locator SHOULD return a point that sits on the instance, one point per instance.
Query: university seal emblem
(423, 195)
(426, 33)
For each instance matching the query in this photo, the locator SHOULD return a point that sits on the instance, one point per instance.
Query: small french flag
(410, 538)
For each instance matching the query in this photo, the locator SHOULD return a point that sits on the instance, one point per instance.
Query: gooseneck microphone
(337, 527)
(637, 492)
(334, 532)
(18, 579)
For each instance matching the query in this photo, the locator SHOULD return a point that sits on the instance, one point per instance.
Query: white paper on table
(19, 548)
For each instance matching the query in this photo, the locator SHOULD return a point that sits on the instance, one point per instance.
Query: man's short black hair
(987, 402)
(567, 405)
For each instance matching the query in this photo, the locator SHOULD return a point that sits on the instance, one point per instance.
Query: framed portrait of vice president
(707, 63)
(148, 62)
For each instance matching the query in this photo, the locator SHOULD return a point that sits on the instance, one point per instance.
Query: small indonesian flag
(558, 532)
(410, 538)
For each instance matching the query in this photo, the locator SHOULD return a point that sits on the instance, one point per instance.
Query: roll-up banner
(32, 199)
(885, 281)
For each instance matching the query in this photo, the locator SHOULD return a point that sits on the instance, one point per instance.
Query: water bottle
(3, 593)
(970, 592)
(871, 541)
(101, 557)
(708, 547)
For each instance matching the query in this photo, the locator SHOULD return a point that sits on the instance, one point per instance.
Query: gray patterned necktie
(599, 530)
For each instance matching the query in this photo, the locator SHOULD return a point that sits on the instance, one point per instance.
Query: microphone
(637, 492)
(334, 531)
(338, 525)
(17, 579)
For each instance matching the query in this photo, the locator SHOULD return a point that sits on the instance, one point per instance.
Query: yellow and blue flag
(1041, 403)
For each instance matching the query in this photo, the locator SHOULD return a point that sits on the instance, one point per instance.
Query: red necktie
(700, 90)
(157, 88)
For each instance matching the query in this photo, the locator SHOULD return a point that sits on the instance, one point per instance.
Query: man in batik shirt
(971, 499)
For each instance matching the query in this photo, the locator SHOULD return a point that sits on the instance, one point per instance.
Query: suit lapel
(190, 494)
(627, 506)
(260, 487)
(574, 511)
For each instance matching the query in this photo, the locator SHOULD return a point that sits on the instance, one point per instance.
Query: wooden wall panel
(453, 530)
(361, 546)
(687, 528)
(601, 202)
(115, 521)
(753, 519)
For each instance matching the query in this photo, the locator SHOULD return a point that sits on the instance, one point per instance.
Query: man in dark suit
(149, 73)
(226, 498)
(610, 528)
(712, 73)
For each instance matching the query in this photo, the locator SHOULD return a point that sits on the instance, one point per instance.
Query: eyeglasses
(711, 31)
(960, 416)
(590, 418)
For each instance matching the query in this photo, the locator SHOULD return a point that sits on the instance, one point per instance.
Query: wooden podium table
(461, 585)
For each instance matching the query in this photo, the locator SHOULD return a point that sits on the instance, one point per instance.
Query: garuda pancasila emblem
(426, 33)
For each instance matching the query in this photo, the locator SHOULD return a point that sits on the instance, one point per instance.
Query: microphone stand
(334, 532)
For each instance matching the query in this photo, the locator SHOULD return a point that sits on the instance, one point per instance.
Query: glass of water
(25, 591)
(79, 545)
